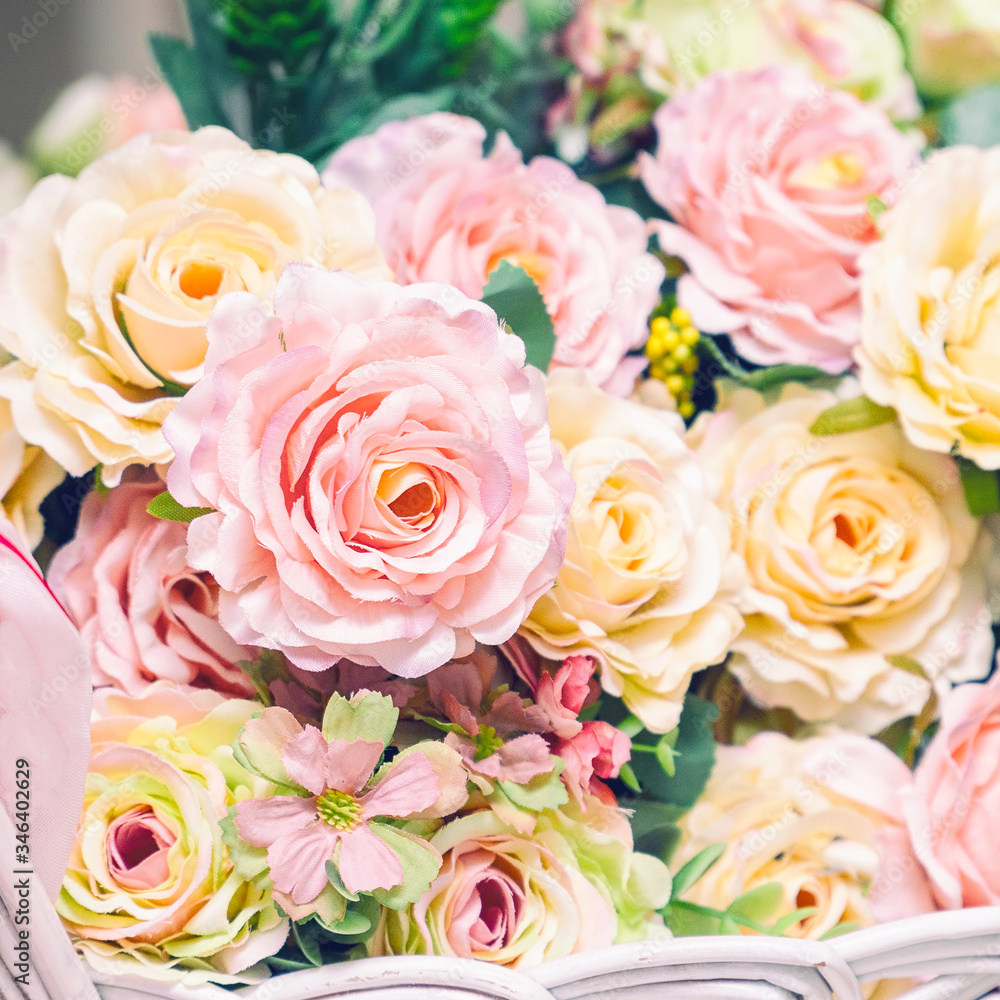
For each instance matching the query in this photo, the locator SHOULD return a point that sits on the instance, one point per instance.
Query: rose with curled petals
(379, 461)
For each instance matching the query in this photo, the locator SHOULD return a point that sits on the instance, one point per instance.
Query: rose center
(341, 810)
(199, 279)
(138, 845)
(415, 503)
(843, 169)
(845, 531)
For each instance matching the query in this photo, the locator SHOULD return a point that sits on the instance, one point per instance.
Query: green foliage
(165, 507)
(513, 295)
(304, 76)
(972, 119)
(761, 379)
(371, 717)
(982, 493)
(851, 415)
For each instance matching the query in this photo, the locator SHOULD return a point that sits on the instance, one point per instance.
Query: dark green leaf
(165, 507)
(305, 938)
(513, 295)
(185, 72)
(695, 868)
(661, 842)
(973, 118)
(777, 375)
(982, 493)
(851, 415)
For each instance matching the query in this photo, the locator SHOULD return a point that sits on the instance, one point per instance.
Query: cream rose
(859, 552)
(774, 803)
(648, 566)
(930, 338)
(27, 476)
(108, 280)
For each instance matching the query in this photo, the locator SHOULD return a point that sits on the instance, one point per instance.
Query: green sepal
(371, 717)
(421, 864)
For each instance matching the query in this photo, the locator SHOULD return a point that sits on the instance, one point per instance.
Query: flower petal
(366, 863)
(261, 822)
(410, 786)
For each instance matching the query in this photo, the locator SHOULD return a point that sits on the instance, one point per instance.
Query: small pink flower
(302, 834)
(598, 750)
(385, 485)
(448, 213)
(562, 695)
(768, 175)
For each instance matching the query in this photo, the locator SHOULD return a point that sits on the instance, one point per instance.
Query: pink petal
(350, 765)
(261, 822)
(298, 861)
(523, 759)
(304, 757)
(410, 787)
(366, 863)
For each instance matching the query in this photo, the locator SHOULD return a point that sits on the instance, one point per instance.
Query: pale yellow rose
(108, 280)
(773, 803)
(860, 559)
(930, 339)
(27, 476)
(953, 45)
(646, 584)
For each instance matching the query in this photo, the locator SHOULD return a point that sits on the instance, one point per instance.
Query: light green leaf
(973, 118)
(758, 904)
(696, 867)
(631, 726)
(165, 507)
(305, 937)
(666, 754)
(791, 919)
(546, 791)
(513, 295)
(982, 491)
(909, 665)
(627, 774)
(851, 415)
(875, 205)
(847, 927)
(421, 864)
(333, 874)
(685, 921)
(371, 717)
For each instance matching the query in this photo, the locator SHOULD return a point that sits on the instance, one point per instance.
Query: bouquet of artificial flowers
(521, 479)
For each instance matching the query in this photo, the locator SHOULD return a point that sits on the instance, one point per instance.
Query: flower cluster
(485, 553)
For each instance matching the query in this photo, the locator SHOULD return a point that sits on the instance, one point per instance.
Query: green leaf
(875, 205)
(99, 487)
(972, 119)
(546, 791)
(627, 774)
(694, 756)
(686, 921)
(660, 842)
(982, 492)
(371, 717)
(649, 815)
(791, 919)
(269, 666)
(851, 415)
(631, 726)
(305, 937)
(727, 925)
(165, 507)
(762, 379)
(695, 868)
(185, 73)
(333, 874)
(248, 861)
(513, 295)
(278, 964)
(666, 756)
(758, 904)
(847, 927)
(420, 862)
(911, 666)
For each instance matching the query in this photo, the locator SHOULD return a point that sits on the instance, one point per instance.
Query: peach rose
(944, 856)
(107, 281)
(779, 807)
(447, 213)
(861, 556)
(379, 459)
(144, 614)
(649, 580)
(771, 208)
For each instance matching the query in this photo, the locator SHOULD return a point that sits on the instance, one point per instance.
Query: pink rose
(945, 856)
(447, 213)
(767, 174)
(143, 612)
(380, 464)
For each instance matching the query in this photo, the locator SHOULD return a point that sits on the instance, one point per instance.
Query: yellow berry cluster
(672, 357)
